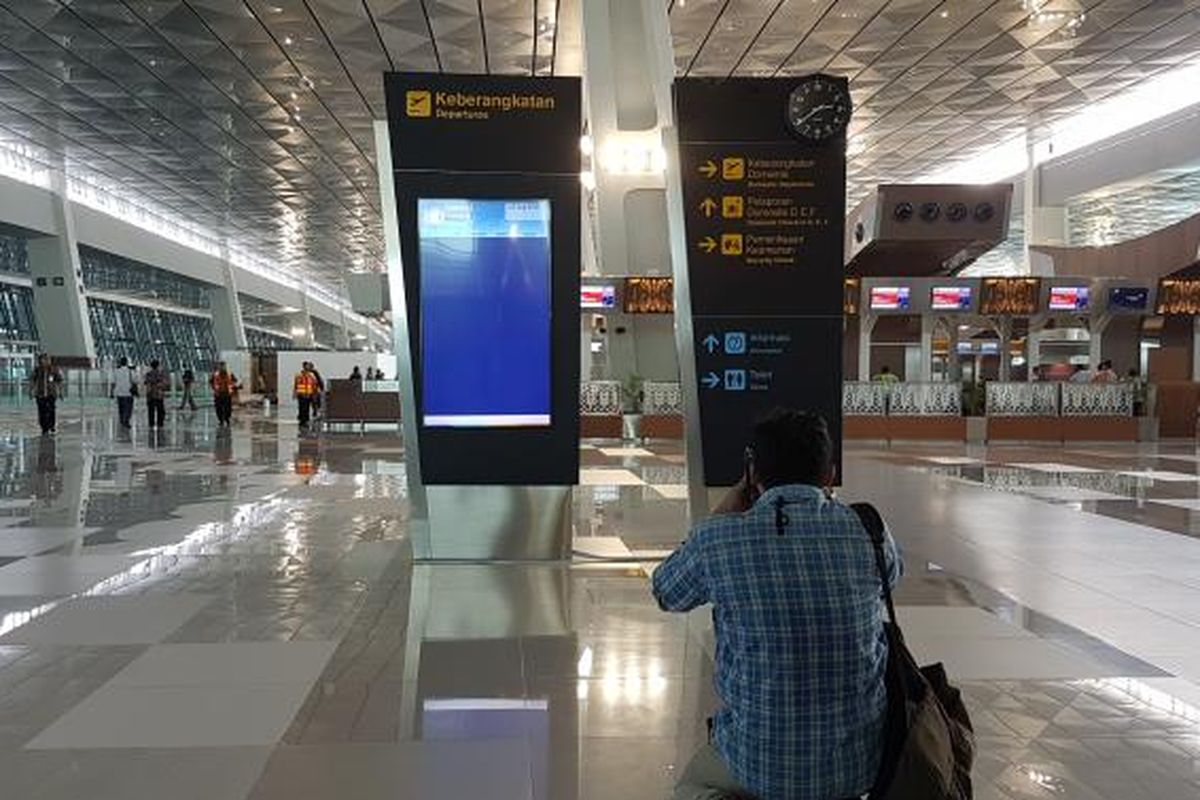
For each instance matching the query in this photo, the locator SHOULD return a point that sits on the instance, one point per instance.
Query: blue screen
(485, 312)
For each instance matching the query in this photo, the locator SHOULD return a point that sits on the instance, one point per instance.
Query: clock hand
(806, 117)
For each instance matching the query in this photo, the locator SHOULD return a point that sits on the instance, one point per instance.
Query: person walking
(157, 383)
(44, 385)
(124, 388)
(356, 374)
(189, 399)
(304, 389)
(223, 384)
(319, 396)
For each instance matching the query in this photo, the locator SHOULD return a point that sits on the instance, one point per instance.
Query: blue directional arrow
(711, 343)
(711, 381)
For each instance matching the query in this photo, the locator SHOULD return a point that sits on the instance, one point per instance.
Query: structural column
(59, 303)
(1043, 224)
(1003, 327)
(866, 325)
(928, 323)
(228, 328)
(1096, 327)
(300, 323)
(1033, 346)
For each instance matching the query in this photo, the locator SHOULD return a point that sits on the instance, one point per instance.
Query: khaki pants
(707, 778)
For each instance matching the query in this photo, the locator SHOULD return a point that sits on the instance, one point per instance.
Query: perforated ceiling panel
(252, 119)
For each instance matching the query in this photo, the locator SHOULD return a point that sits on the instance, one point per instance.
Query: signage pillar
(765, 214)
(486, 209)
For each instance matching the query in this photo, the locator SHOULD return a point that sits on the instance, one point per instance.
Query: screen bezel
(1114, 291)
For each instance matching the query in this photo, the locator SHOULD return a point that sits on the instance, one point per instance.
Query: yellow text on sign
(418, 103)
(731, 244)
(733, 169)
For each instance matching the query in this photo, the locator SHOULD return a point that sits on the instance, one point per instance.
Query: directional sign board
(765, 216)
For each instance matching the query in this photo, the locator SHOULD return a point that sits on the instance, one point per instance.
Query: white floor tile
(120, 619)
(608, 477)
(227, 664)
(671, 491)
(1005, 658)
(28, 541)
(1056, 468)
(1070, 494)
(1163, 476)
(950, 461)
(955, 622)
(190, 716)
(59, 575)
(626, 452)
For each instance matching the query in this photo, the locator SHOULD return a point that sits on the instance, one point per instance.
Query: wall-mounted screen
(890, 298)
(1013, 296)
(485, 271)
(597, 297)
(1178, 296)
(950, 298)
(1129, 298)
(1068, 298)
(649, 296)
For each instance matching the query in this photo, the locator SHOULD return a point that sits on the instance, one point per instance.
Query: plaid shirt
(801, 652)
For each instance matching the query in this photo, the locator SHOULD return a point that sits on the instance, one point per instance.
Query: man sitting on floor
(801, 651)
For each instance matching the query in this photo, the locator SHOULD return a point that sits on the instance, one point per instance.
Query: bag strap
(873, 522)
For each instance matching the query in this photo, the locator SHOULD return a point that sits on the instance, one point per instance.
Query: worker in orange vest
(305, 389)
(224, 384)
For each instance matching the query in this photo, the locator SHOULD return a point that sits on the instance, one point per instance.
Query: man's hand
(737, 500)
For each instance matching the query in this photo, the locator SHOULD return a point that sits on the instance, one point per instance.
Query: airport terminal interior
(492, 293)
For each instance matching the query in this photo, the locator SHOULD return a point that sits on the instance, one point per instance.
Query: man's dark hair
(154, 364)
(792, 446)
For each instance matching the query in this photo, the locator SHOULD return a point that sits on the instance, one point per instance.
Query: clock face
(819, 108)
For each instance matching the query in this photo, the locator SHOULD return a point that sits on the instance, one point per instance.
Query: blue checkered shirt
(801, 652)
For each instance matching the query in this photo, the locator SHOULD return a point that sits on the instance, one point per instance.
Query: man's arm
(681, 582)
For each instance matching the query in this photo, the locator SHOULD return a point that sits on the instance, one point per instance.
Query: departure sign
(765, 216)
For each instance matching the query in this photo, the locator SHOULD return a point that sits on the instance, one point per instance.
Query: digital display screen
(1068, 298)
(889, 298)
(597, 297)
(485, 271)
(1131, 298)
(951, 298)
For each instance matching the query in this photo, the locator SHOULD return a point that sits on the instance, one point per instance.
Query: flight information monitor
(1068, 298)
(950, 298)
(485, 272)
(890, 298)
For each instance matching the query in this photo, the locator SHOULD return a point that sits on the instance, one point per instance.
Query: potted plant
(632, 397)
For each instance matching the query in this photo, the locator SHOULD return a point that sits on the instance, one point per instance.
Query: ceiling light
(287, 40)
(299, 331)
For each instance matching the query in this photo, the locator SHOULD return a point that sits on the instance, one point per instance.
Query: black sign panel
(765, 216)
(477, 123)
(481, 138)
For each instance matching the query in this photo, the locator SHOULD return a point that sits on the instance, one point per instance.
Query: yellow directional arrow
(708, 169)
(708, 244)
(708, 207)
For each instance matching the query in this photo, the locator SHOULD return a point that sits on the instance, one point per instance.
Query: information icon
(735, 343)
(735, 380)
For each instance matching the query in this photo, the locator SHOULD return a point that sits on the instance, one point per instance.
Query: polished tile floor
(229, 615)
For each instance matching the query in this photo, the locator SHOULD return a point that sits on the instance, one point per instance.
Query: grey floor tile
(228, 664)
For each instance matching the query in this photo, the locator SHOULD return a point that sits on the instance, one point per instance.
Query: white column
(1096, 327)
(626, 112)
(1046, 225)
(1033, 345)
(928, 323)
(59, 303)
(228, 327)
(341, 334)
(300, 323)
(1196, 348)
(1003, 327)
(866, 325)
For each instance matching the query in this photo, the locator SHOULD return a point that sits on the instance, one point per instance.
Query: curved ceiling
(252, 118)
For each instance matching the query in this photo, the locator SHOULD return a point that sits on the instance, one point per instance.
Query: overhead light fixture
(287, 40)
(633, 155)
(299, 331)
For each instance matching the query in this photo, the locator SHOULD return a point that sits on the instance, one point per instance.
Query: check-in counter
(662, 411)
(600, 410)
(903, 411)
(362, 401)
(1061, 412)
